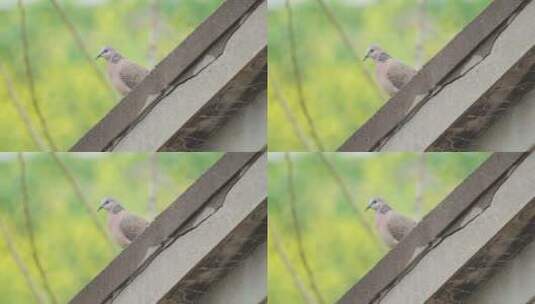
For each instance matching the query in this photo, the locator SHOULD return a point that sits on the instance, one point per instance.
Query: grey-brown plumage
(123, 73)
(391, 74)
(391, 225)
(124, 226)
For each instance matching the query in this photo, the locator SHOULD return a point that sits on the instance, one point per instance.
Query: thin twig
(81, 45)
(29, 228)
(29, 76)
(13, 97)
(297, 228)
(78, 190)
(345, 39)
(305, 294)
(153, 185)
(24, 270)
(348, 196)
(299, 80)
(327, 163)
(283, 102)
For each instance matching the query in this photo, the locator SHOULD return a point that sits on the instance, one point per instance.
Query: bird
(124, 74)
(391, 225)
(391, 74)
(124, 226)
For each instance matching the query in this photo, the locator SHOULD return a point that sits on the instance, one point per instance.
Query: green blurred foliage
(69, 91)
(71, 249)
(338, 96)
(339, 250)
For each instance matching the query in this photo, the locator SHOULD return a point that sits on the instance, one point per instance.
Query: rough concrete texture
(183, 255)
(513, 131)
(222, 82)
(513, 199)
(453, 99)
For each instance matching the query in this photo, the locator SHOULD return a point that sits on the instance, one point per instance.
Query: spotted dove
(392, 75)
(392, 226)
(124, 74)
(124, 226)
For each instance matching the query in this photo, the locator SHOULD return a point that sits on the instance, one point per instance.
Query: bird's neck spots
(116, 209)
(383, 57)
(115, 58)
(384, 209)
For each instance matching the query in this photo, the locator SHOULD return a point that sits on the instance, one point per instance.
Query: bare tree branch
(13, 97)
(305, 294)
(297, 228)
(348, 196)
(29, 228)
(305, 141)
(24, 270)
(83, 199)
(81, 45)
(29, 76)
(330, 167)
(298, 79)
(345, 39)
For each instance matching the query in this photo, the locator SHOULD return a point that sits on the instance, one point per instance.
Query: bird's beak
(99, 55)
(368, 207)
(364, 59)
(99, 208)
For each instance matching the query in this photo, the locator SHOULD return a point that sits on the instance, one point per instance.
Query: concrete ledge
(228, 200)
(447, 94)
(211, 69)
(479, 191)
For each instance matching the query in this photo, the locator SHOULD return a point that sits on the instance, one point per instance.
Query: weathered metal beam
(482, 186)
(190, 82)
(200, 209)
(512, 282)
(460, 90)
(244, 284)
(247, 131)
(512, 131)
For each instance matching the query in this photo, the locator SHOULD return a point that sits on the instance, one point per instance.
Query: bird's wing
(399, 73)
(132, 226)
(132, 74)
(400, 225)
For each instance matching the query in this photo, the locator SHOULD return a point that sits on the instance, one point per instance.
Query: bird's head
(108, 53)
(376, 53)
(378, 204)
(110, 205)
